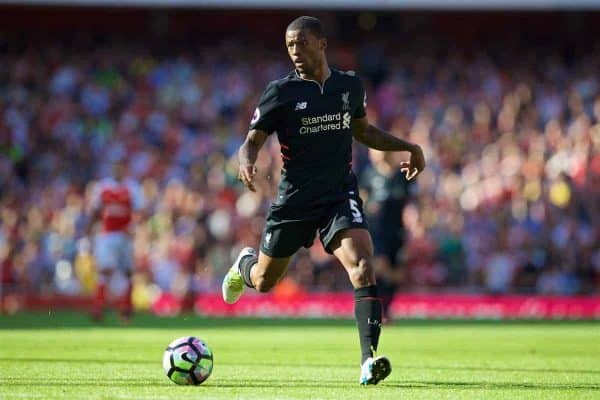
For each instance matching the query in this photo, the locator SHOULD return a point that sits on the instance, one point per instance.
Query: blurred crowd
(509, 202)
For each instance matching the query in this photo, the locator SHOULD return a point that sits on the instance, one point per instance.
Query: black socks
(367, 311)
(246, 264)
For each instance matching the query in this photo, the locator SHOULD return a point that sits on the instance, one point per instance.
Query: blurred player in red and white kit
(116, 202)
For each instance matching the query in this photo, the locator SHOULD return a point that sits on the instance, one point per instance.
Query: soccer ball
(188, 361)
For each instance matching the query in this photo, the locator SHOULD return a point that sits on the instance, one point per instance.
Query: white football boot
(374, 370)
(233, 283)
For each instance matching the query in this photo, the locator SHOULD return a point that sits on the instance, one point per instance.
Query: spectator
(508, 203)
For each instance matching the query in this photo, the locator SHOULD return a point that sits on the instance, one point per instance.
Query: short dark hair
(311, 24)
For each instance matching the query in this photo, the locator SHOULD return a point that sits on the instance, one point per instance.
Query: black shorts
(285, 233)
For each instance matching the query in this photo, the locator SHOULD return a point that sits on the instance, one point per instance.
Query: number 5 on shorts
(356, 215)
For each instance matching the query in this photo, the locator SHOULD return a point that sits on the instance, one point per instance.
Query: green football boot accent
(233, 283)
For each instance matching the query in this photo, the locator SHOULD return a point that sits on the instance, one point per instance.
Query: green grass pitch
(63, 356)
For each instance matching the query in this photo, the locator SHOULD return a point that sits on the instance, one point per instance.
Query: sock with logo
(246, 264)
(367, 311)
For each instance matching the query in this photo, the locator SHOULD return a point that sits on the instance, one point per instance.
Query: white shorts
(114, 250)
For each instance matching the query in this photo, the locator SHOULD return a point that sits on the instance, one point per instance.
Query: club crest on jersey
(301, 105)
(346, 101)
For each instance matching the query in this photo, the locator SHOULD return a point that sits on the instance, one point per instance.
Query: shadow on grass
(493, 385)
(502, 369)
(294, 384)
(68, 320)
(126, 383)
(84, 383)
(90, 361)
(411, 385)
(436, 367)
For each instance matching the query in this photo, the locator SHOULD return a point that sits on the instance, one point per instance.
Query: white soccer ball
(188, 361)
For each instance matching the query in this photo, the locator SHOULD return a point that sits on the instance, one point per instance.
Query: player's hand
(416, 164)
(246, 175)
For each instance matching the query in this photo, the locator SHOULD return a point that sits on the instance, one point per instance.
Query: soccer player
(388, 192)
(317, 111)
(114, 201)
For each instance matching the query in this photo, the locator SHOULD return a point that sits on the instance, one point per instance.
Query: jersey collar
(321, 86)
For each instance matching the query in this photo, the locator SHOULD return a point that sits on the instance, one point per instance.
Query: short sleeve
(265, 115)
(361, 104)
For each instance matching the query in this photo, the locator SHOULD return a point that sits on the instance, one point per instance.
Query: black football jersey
(312, 122)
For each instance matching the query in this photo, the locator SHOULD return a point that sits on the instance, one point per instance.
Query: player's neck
(320, 75)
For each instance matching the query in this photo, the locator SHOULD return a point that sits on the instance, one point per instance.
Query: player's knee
(361, 274)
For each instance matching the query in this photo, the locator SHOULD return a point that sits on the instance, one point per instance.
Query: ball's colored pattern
(188, 361)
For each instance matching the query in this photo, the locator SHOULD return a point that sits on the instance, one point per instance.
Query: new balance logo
(301, 105)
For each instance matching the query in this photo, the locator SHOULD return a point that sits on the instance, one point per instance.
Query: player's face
(305, 50)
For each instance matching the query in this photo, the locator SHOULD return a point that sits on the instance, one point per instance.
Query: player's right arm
(378, 139)
(264, 122)
(248, 154)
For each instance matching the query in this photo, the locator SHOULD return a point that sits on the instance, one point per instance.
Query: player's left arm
(375, 138)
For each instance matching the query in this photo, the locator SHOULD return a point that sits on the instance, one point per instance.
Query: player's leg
(262, 272)
(126, 264)
(345, 235)
(105, 255)
(99, 302)
(354, 248)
